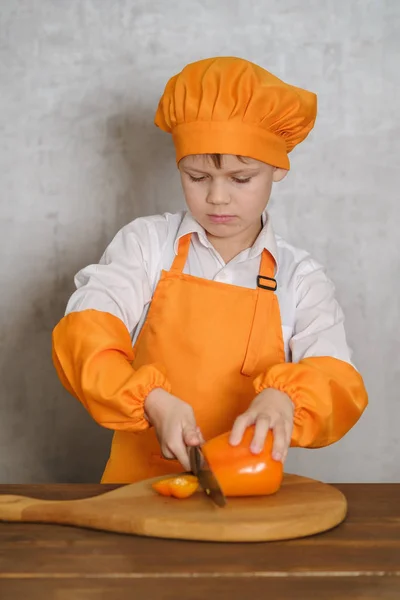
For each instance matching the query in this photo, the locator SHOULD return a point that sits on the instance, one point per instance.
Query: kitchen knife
(206, 477)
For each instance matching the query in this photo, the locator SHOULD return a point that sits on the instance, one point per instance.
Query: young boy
(204, 321)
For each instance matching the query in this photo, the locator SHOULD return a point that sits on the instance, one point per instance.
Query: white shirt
(124, 281)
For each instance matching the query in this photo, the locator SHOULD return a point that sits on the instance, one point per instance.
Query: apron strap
(266, 278)
(183, 251)
(266, 286)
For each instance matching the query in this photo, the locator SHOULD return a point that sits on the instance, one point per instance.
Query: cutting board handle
(13, 507)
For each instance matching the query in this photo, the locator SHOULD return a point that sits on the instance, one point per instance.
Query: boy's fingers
(179, 451)
(239, 427)
(280, 445)
(289, 431)
(202, 440)
(260, 433)
(166, 453)
(191, 435)
(190, 432)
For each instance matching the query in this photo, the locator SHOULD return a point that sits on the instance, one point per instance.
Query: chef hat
(228, 105)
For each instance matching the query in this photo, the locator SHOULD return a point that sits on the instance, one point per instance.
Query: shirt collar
(266, 238)
(190, 225)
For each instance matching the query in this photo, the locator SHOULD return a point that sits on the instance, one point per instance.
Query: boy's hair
(217, 159)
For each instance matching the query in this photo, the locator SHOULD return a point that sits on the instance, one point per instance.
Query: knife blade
(206, 477)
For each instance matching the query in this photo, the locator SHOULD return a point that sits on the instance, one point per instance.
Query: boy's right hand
(174, 423)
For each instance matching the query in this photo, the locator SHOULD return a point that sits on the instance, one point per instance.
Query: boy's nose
(218, 195)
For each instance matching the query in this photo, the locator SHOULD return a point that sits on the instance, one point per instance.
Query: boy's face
(227, 201)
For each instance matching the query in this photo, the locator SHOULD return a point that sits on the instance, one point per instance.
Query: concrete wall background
(80, 157)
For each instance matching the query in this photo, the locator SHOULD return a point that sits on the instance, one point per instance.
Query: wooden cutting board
(302, 507)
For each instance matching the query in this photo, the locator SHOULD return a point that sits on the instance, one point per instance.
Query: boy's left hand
(271, 409)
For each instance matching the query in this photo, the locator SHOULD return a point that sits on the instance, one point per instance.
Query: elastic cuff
(148, 378)
(145, 379)
(264, 381)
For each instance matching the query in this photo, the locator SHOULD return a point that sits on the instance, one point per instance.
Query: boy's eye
(235, 179)
(196, 178)
(241, 180)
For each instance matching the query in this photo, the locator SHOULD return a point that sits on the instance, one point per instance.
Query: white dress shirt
(124, 281)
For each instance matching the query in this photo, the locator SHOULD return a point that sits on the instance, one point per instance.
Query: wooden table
(359, 559)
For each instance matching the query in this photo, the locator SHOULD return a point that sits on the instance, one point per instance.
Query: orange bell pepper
(181, 486)
(240, 472)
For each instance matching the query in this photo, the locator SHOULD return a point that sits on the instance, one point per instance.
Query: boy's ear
(279, 174)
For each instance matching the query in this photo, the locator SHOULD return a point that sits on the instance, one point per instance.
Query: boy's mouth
(221, 218)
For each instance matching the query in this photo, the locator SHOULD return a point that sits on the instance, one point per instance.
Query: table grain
(359, 559)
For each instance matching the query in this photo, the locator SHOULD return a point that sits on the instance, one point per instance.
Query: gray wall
(79, 157)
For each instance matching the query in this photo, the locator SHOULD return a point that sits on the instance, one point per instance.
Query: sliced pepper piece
(181, 486)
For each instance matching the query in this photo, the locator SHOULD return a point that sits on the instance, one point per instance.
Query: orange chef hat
(229, 105)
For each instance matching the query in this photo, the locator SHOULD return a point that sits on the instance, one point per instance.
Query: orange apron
(212, 339)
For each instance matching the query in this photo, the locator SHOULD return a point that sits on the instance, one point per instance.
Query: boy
(204, 321)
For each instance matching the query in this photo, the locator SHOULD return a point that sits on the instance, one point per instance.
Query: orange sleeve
(328, 394)
(92, 354)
